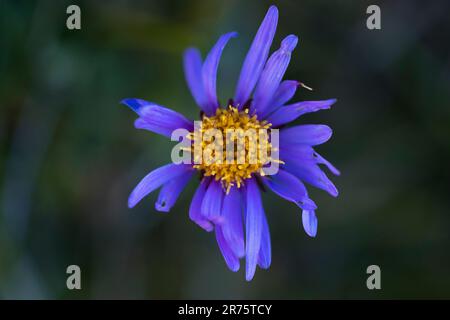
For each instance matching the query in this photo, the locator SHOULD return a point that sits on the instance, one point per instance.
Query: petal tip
(289, 43)
(309, 221)
(312, 235)
(265, 266)
(229, 35)
(235, 268)
(134, 103)
(190, 50)
(273, 11)
(130, 103)
(249, 276)
(131, 202)
(162, 207)
(332, 190)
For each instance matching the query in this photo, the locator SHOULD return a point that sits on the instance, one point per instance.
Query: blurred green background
(69, 155)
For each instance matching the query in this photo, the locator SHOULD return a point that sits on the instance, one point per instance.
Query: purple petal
(290, 188)
(155, 179)
(192, 63)
(253, 227)
(328, 164)
(232, 225)
(291, 112)
(256, 57)
(309, 221)
(305, 153)
(309, 134)
(156, 118)
(209, 72)
(296, 152)
(135, 104)
(171, 190)
(309, 171)
(196, 204)
(231, 259)
(272, 75)
(265, 252)
(212, 202)
(283, 94)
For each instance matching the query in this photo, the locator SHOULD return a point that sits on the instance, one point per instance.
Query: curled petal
(192, 63)
(290, 188)
(309, 134)
(209, 73)
(232, 226)
(196, 204)
(156, 118)
(155, 179)
(291, 112)
(171, 190)
(253, 227)
(272, 75)
(212, 203)
(231, 259)
(256, 57)
(309, 221)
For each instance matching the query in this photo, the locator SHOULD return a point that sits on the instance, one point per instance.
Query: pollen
(231, 146)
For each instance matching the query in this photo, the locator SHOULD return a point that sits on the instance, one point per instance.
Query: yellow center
(249, 140)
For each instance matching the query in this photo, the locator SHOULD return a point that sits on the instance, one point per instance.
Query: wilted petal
(253, 227)
(309, 134)
(256, 57)
(196, 204)
(291, 112)
(171, 190)
(192, 63)
(309, 221)
(265, 252)
(212, 202)
(155, 179)
(290, 188)
(232, 224)
(272, 75)
(209, 72)
(156, 118)
(231, 259)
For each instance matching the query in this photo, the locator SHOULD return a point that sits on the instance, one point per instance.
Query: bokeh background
(69, 155)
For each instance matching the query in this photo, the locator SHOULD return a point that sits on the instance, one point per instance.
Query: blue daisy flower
(228, 198)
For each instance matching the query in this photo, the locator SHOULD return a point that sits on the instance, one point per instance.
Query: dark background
(69, 155)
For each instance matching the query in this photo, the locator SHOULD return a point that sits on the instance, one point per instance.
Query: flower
(228, 199)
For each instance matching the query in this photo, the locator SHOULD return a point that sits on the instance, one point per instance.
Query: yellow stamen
(256, 147)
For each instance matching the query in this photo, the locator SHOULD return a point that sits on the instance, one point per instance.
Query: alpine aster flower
(228, 199)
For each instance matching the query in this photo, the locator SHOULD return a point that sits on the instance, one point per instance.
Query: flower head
(228, 199)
